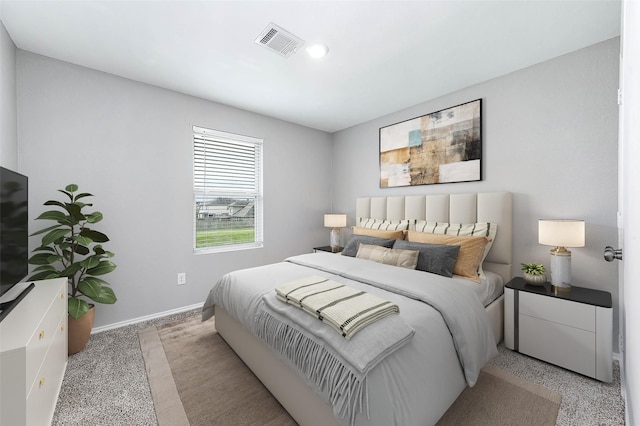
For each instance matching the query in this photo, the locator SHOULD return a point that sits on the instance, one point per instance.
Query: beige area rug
(197, 379)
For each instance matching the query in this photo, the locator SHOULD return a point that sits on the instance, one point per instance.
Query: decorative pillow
(398, 235)
(351, 248)
(437, 258)
(403, 258)
(471, 251)
(486, 229)
(387, 225)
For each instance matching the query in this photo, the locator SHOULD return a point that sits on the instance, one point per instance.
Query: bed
(422, 376)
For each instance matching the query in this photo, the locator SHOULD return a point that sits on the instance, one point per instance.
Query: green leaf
(97, 292)
(94, 217)
(82, 239)
(42, 231)
(67, 194)
(45, 248)
(44, 275)
(107, 296)
(53, 258)
(40, 259)
(71, 188)
(91, 262)
(54, 203)
(77, 307)
(82, 250)
(96, 236)
(75, 211)
(82, 205)
(54, 235)
(82, 195)
(66, 245)
(71, 270)
(104, 267)
(56, 215)
(45, 268)
(94, 281)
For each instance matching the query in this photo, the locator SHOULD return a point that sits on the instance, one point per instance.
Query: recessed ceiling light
(317, 50)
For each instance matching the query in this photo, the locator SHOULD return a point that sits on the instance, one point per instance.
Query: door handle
(611, 254)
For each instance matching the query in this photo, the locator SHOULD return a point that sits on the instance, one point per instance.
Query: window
(227, 190)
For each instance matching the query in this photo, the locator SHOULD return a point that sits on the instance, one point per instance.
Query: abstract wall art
(441, 147)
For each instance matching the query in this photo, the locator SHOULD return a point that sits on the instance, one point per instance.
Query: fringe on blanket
(346, 389)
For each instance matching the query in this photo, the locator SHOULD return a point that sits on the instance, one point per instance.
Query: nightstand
(571, 329)
(328, 248)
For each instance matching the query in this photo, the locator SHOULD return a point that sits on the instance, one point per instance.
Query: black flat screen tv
(14, 233)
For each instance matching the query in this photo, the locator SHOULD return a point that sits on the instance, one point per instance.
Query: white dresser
(33, 355)
(572, 330)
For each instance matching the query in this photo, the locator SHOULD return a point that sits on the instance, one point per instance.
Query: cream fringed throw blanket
(346, 309)
(336, 366)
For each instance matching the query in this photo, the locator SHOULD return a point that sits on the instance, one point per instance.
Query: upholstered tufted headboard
(494, 207)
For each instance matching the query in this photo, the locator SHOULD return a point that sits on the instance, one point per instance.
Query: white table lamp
(561, 233)
(335, 222)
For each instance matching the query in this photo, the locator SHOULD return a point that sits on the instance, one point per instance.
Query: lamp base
(561, 269)
(335, 238)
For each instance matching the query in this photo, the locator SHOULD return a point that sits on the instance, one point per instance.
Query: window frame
(201, 135)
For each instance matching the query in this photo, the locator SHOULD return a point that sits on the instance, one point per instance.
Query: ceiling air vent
(279, 40)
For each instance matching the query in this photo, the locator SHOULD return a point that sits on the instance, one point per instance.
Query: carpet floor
(106, 384)
(227, 393)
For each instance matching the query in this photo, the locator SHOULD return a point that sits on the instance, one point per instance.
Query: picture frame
(440, 147)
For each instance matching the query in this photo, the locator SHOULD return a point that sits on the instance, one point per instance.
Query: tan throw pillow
(396, 257)
(469, 257)
(397, 235)
(479, 229)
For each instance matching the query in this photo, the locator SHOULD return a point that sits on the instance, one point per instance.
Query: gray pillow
(351, 249)
(436, 258)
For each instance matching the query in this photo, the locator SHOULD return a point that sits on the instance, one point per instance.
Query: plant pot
(538, 280)
(80, 330)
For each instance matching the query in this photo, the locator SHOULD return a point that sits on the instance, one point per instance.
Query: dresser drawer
(43, 337)
(33, 355)
(577, 315)
(558, 344)
(43, 395)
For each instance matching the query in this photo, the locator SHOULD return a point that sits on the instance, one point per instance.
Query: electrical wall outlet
(182, 278)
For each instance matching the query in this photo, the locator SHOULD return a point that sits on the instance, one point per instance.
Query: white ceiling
(384, 55)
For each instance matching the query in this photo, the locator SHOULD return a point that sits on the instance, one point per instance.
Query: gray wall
(130, 144)
(8, 129)
(549, 137)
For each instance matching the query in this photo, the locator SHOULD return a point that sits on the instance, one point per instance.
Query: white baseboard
(145, 318)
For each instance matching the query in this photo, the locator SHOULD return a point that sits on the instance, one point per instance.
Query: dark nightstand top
(328, 248)
(576, 294)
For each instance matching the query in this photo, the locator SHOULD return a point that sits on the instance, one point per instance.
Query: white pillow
(387, 225)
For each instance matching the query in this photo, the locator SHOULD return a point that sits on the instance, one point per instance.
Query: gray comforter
(418, 379)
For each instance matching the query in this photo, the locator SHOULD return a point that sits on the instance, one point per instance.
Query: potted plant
(71, 248)
(534, 273)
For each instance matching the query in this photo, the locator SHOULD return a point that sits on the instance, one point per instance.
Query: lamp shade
(561, 232)
(335, 220)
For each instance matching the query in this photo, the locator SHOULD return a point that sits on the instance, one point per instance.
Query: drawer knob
(41, 336)
(41, 382)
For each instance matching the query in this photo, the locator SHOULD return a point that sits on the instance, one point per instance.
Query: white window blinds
(227, 181)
